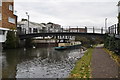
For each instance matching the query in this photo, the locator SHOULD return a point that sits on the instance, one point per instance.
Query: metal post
(69, 28)
(102, 30)
(85, 29)
(105, 25)
(109, 29)
(115, 28)
(118, 28)
(28, 24)
(93, 30)
(62, 28)
(77, 29)
(28, 20)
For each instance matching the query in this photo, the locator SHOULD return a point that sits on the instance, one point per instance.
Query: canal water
(39, 63)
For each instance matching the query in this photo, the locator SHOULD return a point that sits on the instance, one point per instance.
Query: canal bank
(82, 67)
(97, 63)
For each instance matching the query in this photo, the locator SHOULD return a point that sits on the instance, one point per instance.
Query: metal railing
(114, 29)
(67, 29)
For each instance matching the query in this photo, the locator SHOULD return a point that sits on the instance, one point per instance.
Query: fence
(66, 29)
(114, 29)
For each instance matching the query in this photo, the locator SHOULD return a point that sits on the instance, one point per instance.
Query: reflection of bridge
(93, 32)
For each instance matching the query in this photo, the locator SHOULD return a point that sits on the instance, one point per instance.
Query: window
(0, 16)
(11, 20)
(10, 7)
(0, 2)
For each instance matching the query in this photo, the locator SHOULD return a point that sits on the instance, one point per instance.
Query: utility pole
(28, 21)
(105, 25)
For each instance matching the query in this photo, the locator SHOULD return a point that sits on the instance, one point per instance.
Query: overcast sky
(69, 12)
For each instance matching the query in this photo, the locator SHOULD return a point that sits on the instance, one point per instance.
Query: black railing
(114, 29)
(62, 30)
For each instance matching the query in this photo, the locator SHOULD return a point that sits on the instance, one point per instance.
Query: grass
(113, 55)
(82, 66)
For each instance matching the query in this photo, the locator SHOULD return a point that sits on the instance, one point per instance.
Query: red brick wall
(7, 13)
(79, 29)
(0, 20)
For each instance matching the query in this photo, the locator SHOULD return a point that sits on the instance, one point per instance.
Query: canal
(39, 63)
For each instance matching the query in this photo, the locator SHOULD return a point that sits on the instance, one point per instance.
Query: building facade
(51, 27)
(23, 28)
(7, 18)
(82, 30)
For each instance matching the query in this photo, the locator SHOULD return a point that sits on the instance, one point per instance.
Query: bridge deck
(22, 36)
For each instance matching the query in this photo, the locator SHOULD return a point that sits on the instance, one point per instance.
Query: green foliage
(111, 43)
(106, 42)
(88, 41)
(113, 55)
(12, 40)
(117, 44)
(82, 66)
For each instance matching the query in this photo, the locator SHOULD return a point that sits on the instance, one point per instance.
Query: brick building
(7, 17)
(82, 30)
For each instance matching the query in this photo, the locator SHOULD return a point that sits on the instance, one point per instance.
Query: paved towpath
(103, 66)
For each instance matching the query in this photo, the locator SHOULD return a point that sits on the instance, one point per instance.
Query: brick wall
(0, 20)
(83, 30)
(7, 13)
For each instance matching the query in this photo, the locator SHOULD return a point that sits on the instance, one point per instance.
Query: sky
(69, 12)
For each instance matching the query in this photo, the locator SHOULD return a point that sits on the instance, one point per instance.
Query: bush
(88, 41)
(12, 40)
(112, 44)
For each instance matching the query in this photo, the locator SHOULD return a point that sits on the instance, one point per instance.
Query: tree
(12, 40)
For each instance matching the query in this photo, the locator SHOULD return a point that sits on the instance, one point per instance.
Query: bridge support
(56, 40)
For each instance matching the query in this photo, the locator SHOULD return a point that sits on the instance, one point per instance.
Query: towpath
(103, 66)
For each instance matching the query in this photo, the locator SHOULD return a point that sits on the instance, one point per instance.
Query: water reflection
(38, 63)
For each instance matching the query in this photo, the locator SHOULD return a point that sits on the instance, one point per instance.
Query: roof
(32, 23)
(38, 24)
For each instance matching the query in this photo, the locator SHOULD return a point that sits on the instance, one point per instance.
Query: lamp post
(28, 21)
(105, 25)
